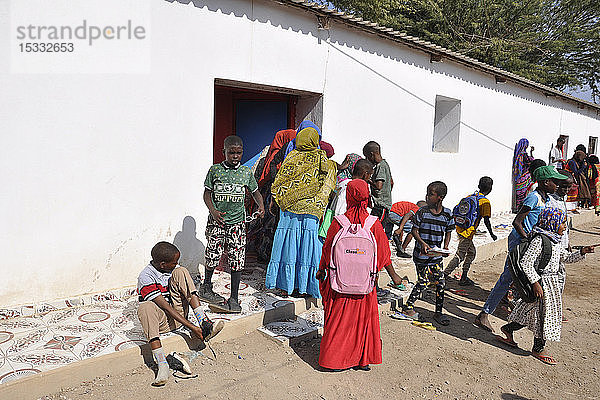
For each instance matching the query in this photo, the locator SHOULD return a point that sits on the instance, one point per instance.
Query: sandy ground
(455, 362)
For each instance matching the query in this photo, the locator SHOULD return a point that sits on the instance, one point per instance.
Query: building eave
(434, 50)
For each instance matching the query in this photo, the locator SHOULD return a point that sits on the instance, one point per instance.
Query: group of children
(166, 290)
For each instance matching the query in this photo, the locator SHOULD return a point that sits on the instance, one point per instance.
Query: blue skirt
(296, 254)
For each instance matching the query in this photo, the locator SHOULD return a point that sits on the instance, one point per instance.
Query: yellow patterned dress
(301, 189)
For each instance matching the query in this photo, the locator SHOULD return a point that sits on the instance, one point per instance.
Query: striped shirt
(152, 283)
(432, 229)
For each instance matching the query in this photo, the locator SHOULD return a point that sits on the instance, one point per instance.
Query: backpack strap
(343, 220)
(369, 222)
(546, 254)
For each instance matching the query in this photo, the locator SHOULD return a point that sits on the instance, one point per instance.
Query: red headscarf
(357, 199)
(329, 152)
(281, 139)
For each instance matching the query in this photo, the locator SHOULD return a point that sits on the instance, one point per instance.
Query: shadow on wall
(277, 15)
(191, 248)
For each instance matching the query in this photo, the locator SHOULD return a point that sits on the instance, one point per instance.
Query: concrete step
(309, 324)
(305, 326)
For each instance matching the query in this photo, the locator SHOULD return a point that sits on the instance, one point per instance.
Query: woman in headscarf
(272, 163)
(327, 148)
(303, 125)
(345, 169)
(578, 166)
(301, 189)
(262, 230)
(351, 336)
(522, 181)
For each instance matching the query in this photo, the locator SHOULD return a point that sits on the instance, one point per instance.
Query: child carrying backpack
(467, 216)
(355, 249)
(541, 311)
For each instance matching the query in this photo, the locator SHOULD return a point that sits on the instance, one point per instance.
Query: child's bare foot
(544, 357)
(483, 322)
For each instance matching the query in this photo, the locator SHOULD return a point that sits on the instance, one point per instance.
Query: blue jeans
(505, 279)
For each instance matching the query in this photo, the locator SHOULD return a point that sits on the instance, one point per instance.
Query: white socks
(200, 315)
(163, 367)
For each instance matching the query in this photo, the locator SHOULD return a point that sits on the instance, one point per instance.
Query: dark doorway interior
(254, 115)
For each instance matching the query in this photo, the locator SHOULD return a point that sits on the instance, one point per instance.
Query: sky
(580, 93)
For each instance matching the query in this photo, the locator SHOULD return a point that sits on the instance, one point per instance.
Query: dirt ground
(456, 362)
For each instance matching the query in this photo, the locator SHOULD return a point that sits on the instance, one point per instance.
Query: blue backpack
(466, 211)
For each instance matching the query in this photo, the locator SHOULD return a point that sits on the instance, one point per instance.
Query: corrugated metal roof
(430, 48)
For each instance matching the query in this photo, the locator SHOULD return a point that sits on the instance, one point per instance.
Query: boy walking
(166, 291)
(466, 251)
(432, 225)
(224, 194)
(381, 185)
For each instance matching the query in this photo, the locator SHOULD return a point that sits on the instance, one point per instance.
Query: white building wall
(99, 167)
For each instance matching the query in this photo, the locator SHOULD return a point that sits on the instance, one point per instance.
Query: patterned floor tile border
(100, 325)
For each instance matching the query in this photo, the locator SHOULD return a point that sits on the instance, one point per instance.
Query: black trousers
(538, 343)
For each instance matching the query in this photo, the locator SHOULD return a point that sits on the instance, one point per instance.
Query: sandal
(441, 319)
(507, 341)
(425, 325)
(545, 359)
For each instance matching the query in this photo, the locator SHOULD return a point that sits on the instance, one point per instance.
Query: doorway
(252, 114)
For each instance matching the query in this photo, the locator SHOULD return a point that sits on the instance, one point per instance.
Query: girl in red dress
(351, 337)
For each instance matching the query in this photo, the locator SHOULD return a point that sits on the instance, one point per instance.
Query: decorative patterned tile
(96, 345)
(18, 374)
(28, 310)
(64, 316)
(135, 333)
(42, 359)
(5, 366)
(45, 308)
(26, 341)
(7, 313)
(20, 325)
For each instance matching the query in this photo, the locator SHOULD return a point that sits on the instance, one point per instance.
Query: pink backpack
(353, 265)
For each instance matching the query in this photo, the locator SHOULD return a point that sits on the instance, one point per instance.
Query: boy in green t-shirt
(224, 194)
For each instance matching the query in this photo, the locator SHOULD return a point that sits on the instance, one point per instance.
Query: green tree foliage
(553, 42)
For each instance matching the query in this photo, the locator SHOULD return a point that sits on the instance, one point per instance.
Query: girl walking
(544, 316)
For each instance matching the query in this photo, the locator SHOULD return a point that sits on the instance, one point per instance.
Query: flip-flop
(399, 286)
(460, 292)
(545, 359)
(222, 309)
(506, 341)
(425, 325)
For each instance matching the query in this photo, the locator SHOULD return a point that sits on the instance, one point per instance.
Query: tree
(553, 42)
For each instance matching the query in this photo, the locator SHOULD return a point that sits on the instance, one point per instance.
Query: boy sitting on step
(166, 291)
